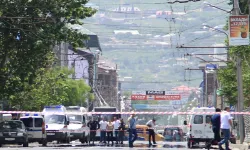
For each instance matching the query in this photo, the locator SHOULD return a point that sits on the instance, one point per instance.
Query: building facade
(107, 83)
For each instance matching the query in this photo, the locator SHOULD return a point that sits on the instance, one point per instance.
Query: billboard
(239, 30)
(154, 99)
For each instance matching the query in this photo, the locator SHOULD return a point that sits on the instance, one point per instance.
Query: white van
(200, 127)
(35, 126)
(77, 126)
(57, 122)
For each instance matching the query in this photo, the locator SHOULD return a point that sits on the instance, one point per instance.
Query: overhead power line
(180, 1)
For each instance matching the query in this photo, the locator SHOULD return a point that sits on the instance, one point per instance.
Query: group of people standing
(106, 130)
(118, 127)
(222, 122)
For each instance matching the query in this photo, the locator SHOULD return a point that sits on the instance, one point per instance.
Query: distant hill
(141, 37)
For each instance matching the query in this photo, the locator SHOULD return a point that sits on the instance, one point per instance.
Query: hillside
(142, 36)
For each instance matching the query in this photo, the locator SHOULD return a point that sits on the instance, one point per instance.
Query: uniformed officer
(93, 126)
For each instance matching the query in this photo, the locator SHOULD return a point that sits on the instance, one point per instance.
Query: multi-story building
(107, 82)
(88, 64)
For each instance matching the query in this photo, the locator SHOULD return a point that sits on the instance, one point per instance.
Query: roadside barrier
(125, 113)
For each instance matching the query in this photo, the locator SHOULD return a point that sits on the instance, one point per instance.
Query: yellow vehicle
(143, 133)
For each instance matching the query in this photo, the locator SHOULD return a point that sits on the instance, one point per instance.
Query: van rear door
(29, 123)
(197, 126)
(208, 127)
(38, 127)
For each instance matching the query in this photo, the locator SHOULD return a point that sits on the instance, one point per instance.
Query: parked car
(143, 134)
(173, 134)
(35, 126)
(13, 132)
(77, 125)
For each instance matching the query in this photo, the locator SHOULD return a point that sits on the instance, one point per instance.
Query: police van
(200, 127)
(35, 126)
(56, 123)
(77, 126)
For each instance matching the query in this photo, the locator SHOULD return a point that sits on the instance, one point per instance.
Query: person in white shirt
(151, 132)
(103, 127)
(226, 123)
(116, 124)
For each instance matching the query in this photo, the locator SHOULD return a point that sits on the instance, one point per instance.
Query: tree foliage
(52, 87)
(29, 29)
(228, 76)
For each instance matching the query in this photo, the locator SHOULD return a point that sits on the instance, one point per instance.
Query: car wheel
(233, 141)
(1, 145)
(189, 144)
(67, 140)
(83, 140)
(87, 139)
(44, 143)
(26, 144)
(208, 145)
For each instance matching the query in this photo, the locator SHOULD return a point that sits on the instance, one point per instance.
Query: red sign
(167, 97)
(138, 97)
(156, 97)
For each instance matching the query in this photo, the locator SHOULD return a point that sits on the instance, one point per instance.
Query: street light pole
(240, 106)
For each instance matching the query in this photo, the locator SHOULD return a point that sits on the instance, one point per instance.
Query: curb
(243, 146)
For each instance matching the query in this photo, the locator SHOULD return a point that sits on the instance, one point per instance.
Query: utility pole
(240, 106)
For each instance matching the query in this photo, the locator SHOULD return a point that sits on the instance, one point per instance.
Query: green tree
(52, 87)
(228, 76)
(29, 29)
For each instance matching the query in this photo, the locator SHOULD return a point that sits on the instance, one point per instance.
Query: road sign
(232, 108)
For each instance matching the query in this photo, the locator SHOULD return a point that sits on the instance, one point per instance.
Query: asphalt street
(139, 145)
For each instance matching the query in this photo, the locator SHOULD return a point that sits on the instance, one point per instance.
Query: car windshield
(54, 119)
(75, 119)
(11, 125)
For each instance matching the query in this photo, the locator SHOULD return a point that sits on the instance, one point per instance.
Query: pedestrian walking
(110, 128)
(132, 130)
(116, 123)
(215, 120)
(103, 128)
(121, 131)
(151, 132)
(226, 123)
(93, 126)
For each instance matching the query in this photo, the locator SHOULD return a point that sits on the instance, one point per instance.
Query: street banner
(239, 30)
(167, 97)
(155, 92)
(156, 97)
(151, 99)
(138, 97)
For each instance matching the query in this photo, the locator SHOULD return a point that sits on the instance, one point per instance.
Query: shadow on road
(122, 146)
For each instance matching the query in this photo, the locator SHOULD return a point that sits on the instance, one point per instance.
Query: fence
(247, 125)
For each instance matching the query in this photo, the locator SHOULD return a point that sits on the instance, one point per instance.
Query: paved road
(77, 145)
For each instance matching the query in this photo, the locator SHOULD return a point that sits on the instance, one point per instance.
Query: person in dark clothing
(151, 132)
(121, 131)
(215, 120)
(93, 126)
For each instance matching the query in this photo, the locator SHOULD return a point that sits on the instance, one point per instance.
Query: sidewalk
(243, 146)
